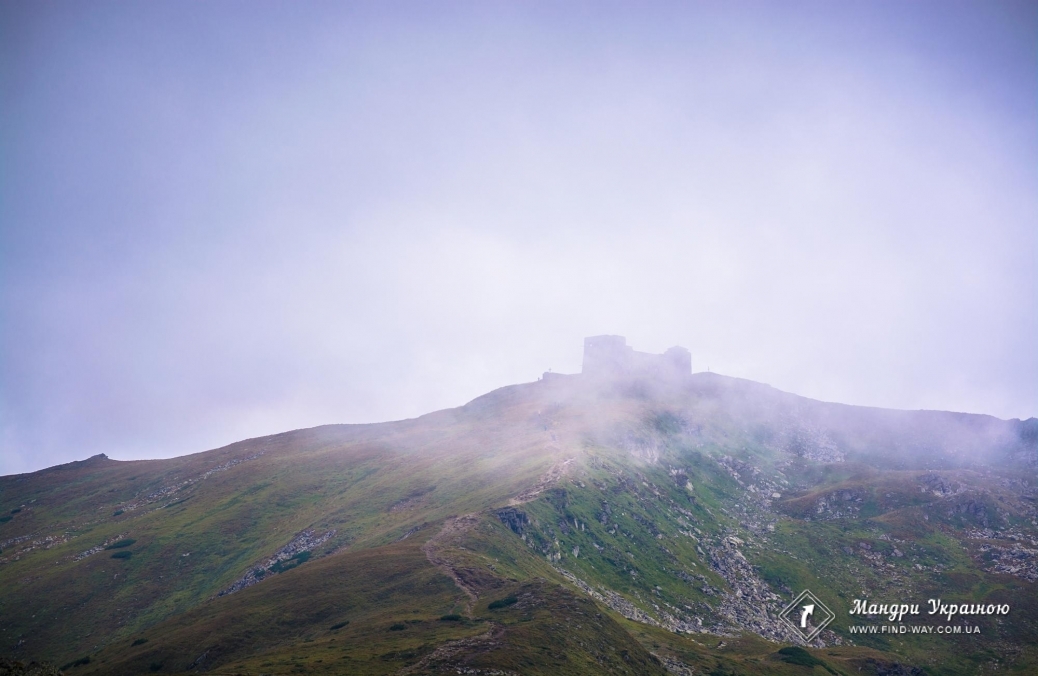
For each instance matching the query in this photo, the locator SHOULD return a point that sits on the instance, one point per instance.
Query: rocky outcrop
(939, 485)
(972, 508)
(803, 439)
(619, 603)
(306, 541)
(516, 520)
(98, 548)
(750, 604)
(170, 490)
(1017, 560)
(842, 504)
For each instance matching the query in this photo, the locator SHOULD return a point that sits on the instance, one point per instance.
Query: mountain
(633, 519)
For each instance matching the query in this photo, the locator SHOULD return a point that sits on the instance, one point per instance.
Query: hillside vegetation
(567, 526)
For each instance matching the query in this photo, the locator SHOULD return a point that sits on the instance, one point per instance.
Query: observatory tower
(612, 357)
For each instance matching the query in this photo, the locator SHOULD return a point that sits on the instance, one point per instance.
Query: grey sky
(222, 220)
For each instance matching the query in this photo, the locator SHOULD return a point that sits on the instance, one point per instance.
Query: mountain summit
(633, 519)
(611, 357)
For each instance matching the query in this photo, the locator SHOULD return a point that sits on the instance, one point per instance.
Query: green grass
(643, 498)
(797, 655)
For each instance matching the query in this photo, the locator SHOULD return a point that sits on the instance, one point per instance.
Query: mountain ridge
(1028, 425)
(651, 498)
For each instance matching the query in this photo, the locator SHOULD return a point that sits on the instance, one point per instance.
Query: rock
(15, 668)
(304, 542)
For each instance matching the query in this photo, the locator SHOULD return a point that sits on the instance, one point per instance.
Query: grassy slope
(643, 508)
(823, 552)
(372, 484)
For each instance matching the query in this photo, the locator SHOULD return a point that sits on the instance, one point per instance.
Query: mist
(220, 221)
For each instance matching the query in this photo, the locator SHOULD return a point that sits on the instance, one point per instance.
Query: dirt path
(551, 477)
(435, 551)
(443, 658)
(436, 548)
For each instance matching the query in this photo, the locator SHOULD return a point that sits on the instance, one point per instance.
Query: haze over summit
(221, 224)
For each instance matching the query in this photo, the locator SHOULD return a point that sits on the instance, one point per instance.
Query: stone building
(611, 356)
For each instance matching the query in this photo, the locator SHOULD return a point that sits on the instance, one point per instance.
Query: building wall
(612, 356)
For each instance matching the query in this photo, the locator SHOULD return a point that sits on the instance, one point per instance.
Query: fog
(225, 220)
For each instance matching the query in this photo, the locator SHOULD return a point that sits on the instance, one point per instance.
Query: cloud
(220, 226)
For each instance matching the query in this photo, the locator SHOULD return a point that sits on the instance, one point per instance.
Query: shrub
(117, 512)
(289, 564)
(121, 543)
(140, 641)
(15, 511)
(403, 654)
(155, 666)
(453, 617)
(5, 518)
(502, 603)
(399, 626)
(77, 663)
(340, 625)
(122, 555)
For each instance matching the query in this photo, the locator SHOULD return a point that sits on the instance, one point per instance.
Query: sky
(223, 220)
